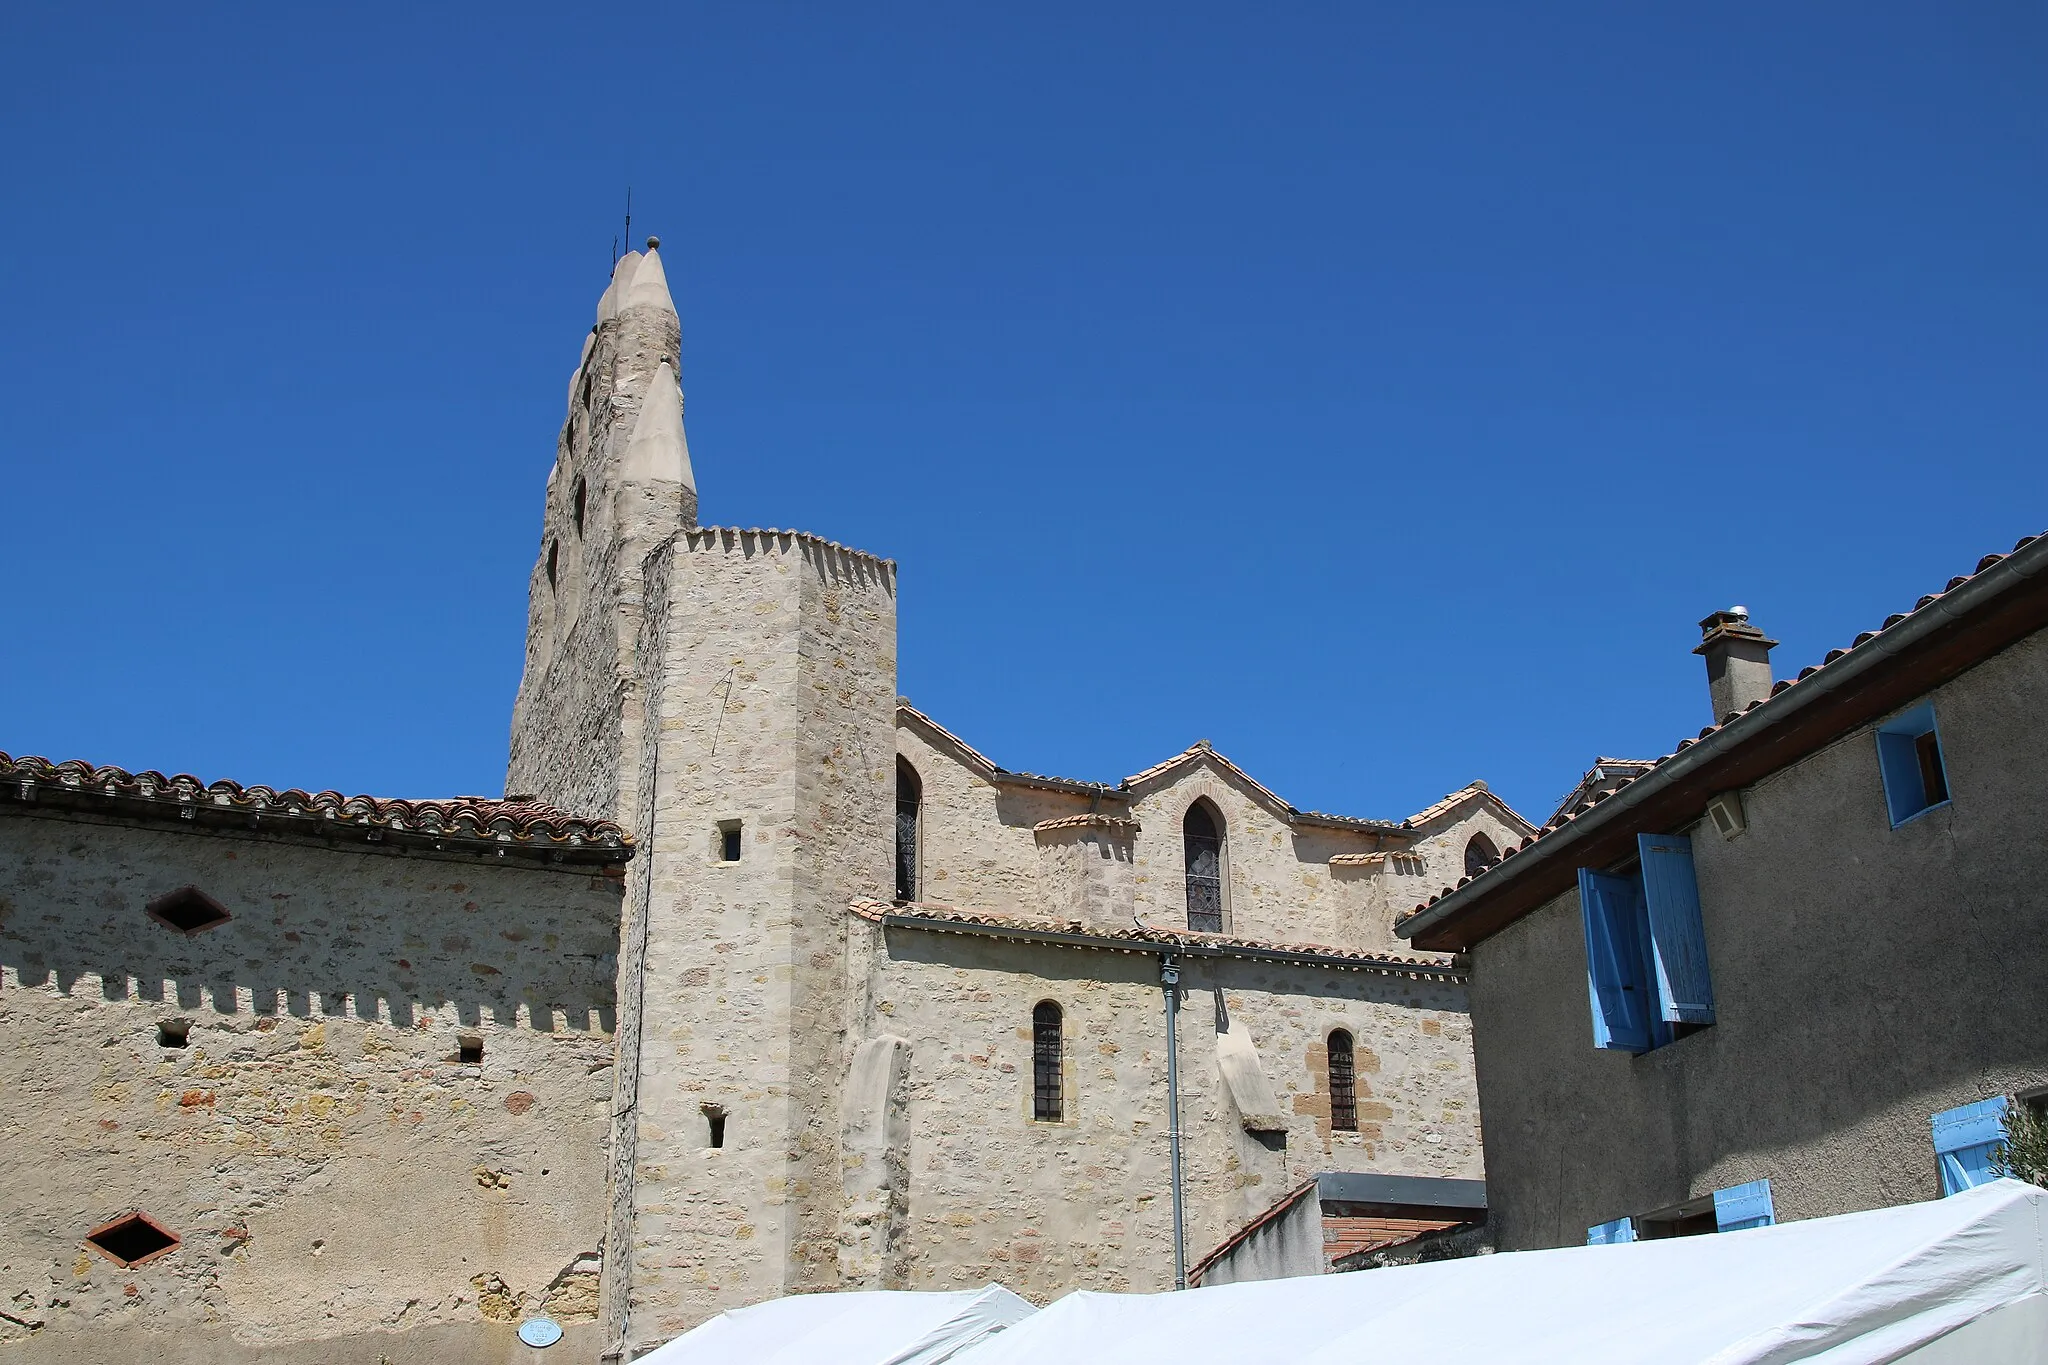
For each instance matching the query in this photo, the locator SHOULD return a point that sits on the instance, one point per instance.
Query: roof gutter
(1176, 947)
(1981, 592)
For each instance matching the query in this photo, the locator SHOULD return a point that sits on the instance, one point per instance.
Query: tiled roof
(1120, 823)
(1564, 820)
(1235, 1239)
(470, 822)
(1143, 938)
(1604, 770)
(1474, 790)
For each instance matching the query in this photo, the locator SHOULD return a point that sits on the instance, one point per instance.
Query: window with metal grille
(1046, 1087)
(1343, 1086)
(1480, 854)
(909, 800)
(1202, 836)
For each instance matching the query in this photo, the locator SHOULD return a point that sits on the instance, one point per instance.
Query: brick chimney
(1738, 661)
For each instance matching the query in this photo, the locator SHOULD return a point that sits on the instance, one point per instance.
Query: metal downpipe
(1169, 982)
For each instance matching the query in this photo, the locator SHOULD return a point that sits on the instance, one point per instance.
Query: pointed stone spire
(657, 452)
(622, 280)
(649, 288)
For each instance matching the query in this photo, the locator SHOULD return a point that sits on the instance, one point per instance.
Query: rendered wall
(1864, 979)
(1083, 1203)
(344, 1188)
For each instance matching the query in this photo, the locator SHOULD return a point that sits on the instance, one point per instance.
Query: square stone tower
(729, 696)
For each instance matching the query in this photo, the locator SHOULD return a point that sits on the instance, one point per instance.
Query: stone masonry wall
(1083, 1203)
(341, 1182)
(776, 702)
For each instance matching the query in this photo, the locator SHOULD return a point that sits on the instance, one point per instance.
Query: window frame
(1902, 766)
(1214, 817)
(910, 871)
(1649, 979)
(1048, 1096)
(1344, 1099)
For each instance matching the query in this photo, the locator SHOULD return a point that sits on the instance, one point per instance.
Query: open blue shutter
(1607, 1234)
(1904, 793)
(1963, 1142)
(1678, 941)
(1614, 978)
(1744, 1206)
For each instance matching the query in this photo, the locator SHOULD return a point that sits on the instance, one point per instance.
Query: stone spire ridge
(608, 307)
(657, 452)
(649, 285)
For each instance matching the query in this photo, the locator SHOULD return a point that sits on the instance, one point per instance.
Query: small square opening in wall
(469, 1049)
(174, 1033)
(726, 848)
(132, 1239)
(188, 910)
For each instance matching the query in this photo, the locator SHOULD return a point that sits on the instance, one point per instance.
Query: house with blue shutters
(1792, 968)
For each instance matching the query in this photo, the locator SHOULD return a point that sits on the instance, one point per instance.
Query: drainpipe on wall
(1169, 982)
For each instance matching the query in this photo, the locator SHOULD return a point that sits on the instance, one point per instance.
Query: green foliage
(2024, 1153)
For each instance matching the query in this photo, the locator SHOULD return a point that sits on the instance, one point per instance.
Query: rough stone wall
(1854, 969)
(976, 845)
(575, 724)
(1278, 880)
(776, 701)
(1084, 1203)
(341, 1182)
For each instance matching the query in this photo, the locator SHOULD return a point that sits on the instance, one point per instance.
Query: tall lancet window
(909, 799)
(1480, 854)
(1343, 1083)
(1048, 1090)
(1202, 836)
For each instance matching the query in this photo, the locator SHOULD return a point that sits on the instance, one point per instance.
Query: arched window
(1046, 1087)
(1480, 854)
(1343, 1084)
(909, 797)
(1202, 838)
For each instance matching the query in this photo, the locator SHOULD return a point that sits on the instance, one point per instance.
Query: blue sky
(1380, 392)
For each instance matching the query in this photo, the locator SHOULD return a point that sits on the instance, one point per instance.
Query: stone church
(758, 980)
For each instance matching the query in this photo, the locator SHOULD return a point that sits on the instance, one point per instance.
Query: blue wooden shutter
(1607, 1234)
(1609, 907)
(1744, 1206)
(1678, 940)
(1964, 1140)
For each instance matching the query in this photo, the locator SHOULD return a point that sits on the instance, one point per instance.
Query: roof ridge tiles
(529, 823)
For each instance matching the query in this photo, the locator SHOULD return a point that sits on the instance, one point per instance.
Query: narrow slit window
(714, 1121)
(132, 1239)
(554, 577)
(1480, 854)
(1343, 1083)
(909, 805)
(576, 507)
(1047, 1089)
(729, 842)
(1202, 840)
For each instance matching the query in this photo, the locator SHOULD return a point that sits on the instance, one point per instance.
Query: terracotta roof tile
(1832, 657)
(525, 826)
(1141, 936)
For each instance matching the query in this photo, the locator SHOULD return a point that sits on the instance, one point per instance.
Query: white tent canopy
(877, 1327)
(1956, 1280)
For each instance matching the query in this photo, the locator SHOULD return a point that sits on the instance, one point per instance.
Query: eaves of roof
(1153, 942)
(1945, 634)
(470, 824)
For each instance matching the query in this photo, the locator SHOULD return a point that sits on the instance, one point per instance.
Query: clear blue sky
(1381, 392)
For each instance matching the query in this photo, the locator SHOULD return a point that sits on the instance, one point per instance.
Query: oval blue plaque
(540, 1331)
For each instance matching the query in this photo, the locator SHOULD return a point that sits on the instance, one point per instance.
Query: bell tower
(621, 486)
